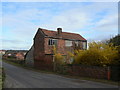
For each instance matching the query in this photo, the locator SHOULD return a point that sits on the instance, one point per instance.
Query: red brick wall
(48, 48)
(49, 62)
(88, 71)
(38, 53)
(41, 60)
(46, 64)
(61, 48)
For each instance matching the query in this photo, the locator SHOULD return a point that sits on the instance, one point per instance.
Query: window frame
(67, 43)
(51, 42)
(77, 43)
(84, 45)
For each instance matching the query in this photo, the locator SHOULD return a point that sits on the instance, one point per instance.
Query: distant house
(19, 56)
(15, 54)
(2, 52)
(64, 42)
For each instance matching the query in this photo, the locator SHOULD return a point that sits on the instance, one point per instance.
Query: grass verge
(2, 78)
(68, 76)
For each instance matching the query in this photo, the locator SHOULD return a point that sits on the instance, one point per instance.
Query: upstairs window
(84, 45)
(76, 43)
(52, 42)
(68, 43)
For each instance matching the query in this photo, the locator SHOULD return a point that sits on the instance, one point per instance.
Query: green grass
(0, 74)
(68, 76)
(2, 78)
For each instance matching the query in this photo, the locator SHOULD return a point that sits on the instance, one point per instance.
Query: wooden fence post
(54, 66)
(108, 73)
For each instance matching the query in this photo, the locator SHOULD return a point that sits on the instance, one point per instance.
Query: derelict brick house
(64, 42)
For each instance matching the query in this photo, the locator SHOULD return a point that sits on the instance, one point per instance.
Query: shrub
(97, 54)
(59, 59)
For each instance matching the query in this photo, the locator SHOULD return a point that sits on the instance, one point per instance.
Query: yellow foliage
(54, 49)
(70, 54)
(97, 54)
(59, 59)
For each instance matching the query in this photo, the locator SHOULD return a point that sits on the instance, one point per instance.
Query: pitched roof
(64, 35)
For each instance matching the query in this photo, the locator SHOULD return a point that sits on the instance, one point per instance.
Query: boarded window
(52, 42)
(84, 45)
(68, 43)
(76, 43)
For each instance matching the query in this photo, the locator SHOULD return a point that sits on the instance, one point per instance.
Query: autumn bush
(98, 54)
(58, 58)
(58, 61)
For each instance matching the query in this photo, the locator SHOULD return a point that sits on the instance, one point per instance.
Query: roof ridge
(67, 35)
(62, 32)
(71, 33)
(48, 30)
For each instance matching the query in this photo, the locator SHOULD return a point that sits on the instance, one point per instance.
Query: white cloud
(104, 29)
(24, 24)
(109, 20)
(21, 24)
(15, 44)
(70, 20)
(108, 24)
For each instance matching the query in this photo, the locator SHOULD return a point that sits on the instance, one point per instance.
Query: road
(17, 77)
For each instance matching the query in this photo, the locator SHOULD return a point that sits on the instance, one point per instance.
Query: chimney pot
(59, 31)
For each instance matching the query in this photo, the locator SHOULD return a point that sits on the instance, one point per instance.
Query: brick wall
(38, 52)
(29, 60)
(46, 64)
(48, 48)
(60, 46)
(88, 71)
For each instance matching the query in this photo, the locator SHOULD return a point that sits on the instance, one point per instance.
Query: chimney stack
(59, 31)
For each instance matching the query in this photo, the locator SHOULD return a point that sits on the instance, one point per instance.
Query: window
(68, 43)
(76, 43)
(52, 42)
(84, 45)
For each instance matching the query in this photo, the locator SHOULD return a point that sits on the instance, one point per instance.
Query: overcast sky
(20, 20)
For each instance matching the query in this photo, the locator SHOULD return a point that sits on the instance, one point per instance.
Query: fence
(97, 72)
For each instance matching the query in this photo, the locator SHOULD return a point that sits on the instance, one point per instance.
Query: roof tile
(64, 35)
